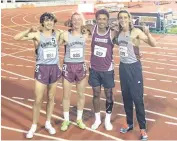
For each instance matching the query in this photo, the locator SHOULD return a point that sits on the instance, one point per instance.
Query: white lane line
(150, 119)
(116, 80)
(123, 115)
(30, 99)
(162, 59)
(160, 74)
(173, 69)
(24, 79)
(172, 53)
(175, 98)
(19, 65)
(159, 68)
(3, 76)
(150, 79)
(36, 134)
(118, 103)
(150, 58)
(57, 117)
(10, 64)
(29, 66)
(160, 90)
(171, 123)
(173, 60)
(87, 109)
(18, 98)
(145, 67)
(158, 63)
(168, 81)
(158, 96)
(13, 77)
(14, 53)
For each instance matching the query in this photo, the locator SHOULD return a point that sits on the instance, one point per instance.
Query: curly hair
(47, 15)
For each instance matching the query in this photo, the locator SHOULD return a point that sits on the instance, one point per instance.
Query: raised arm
(63, 38)
(29, 34)
(146, 36)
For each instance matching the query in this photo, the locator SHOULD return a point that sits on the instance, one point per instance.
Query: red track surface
(160, 80)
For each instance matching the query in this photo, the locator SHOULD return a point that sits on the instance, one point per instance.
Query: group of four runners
(101, 71)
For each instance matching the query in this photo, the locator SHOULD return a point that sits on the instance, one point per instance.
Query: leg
(127, 98)
(39, 92)
(109, 107)
(96, 105)
(66, 103)
(137, 95)
(81, 102)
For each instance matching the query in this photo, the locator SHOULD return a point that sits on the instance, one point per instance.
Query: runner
(74, 68)
(47, 70)
(130, 70)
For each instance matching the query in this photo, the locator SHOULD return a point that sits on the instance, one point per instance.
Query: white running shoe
(96, 125)
(30, 133)
(108, 125)
(50, 129)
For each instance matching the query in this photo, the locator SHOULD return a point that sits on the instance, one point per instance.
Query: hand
(34, 29)
(146, 29)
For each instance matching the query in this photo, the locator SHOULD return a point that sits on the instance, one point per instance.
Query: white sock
(79, 115)
(108, 117)
(66, 116)
(98, 117)
(33, 127)
(47, 122)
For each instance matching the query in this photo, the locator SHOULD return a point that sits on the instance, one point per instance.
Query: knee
(109, 95)
(38, 101)
(51, 98)
(96, 93)
(81, 96)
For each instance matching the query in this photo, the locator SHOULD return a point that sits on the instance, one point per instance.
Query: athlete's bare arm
(63, 38)
(29, 34)
(146, 36)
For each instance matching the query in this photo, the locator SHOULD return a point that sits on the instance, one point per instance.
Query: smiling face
(77, 21)
(102, 21)
(48, 23)
(124, 20)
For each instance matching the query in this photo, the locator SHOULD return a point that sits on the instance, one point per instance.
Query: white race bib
(76, 52)
(100, 51)
(49, 53)
(123, 51)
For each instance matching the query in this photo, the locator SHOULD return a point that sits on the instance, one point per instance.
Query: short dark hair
(48, 16)
(102, 11)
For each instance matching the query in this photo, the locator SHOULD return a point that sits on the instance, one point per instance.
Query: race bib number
(76, 52)
(123, 51)
(100, 51)
(49, 53)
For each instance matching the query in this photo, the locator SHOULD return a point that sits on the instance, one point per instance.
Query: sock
(47, 122)
(98, 117)
(108, 117)
(79, 115)
(66, 116)
(33, 127)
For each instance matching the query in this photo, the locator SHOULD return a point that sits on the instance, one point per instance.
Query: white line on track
(36, 134)
(18, 98)
(10, 64)
(30, 99)
(57, 117)
(159, 68)
(173, 69)
(159, 96)
(168, 81)
(118, 103)
(175, 98)
(145, 67)
(24, 79)
(171, 123)
(150, 79)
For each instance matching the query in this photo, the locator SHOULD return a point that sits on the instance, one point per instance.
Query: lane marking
(118, 103)
(57, 117)
(36, 134)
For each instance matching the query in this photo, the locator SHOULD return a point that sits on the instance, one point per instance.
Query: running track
(18, 62)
